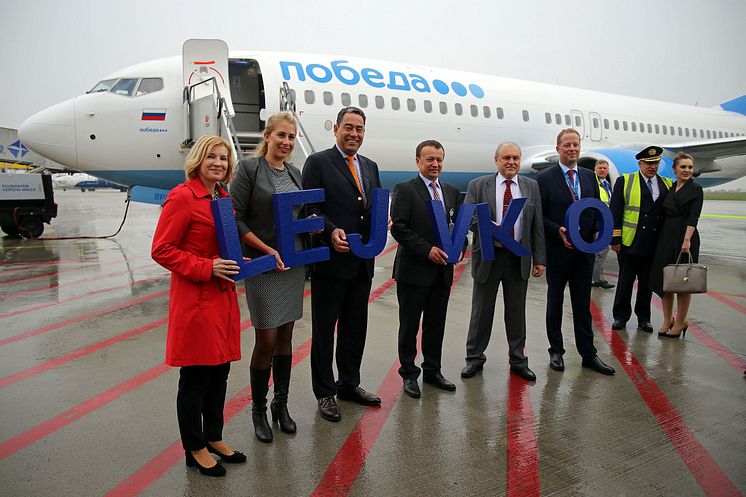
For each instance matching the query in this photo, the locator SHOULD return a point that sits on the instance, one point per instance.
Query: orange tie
(353, 171)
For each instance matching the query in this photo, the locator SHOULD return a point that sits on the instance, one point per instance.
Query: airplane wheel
(11, 230)
(30, 227)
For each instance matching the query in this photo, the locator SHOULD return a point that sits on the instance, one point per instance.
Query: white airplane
(82, 181)
(135, 126)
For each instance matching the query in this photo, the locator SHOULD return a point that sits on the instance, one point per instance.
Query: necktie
(353, 171)
(606, 187)
(506, 200)
(571, 175)
(650, 185)
(434, 186)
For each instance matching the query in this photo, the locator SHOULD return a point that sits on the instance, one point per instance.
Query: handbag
(686, 277)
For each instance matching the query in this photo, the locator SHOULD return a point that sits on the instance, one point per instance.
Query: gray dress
(276, 297)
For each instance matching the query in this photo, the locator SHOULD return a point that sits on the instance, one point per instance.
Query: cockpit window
(125, 87)
(104, 85)
(149, 85)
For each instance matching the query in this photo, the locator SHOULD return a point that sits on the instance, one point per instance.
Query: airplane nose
(51, 133)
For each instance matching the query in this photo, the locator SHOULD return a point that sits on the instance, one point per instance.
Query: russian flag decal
(153, 115)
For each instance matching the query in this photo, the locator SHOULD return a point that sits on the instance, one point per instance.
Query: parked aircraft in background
(135, 126)
(82, 182)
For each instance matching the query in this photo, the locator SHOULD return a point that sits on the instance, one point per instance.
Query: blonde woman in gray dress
(275, 299)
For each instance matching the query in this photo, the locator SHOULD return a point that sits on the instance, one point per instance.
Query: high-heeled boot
(281, 366)
(259, 388)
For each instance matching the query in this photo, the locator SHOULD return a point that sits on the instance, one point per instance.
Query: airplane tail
(738, 105)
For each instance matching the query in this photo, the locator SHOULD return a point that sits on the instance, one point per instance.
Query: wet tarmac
(88, 408)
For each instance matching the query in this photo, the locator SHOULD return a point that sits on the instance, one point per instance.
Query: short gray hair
(499, 147)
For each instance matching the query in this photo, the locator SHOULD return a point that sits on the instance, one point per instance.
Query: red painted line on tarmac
(83, 317)
(38, 276)
(388, 250)
(151, 471)
(733, 305)
(344, 469)
(710, 476)
(522, 445)
(738, 295)
(85, 295)
(59, 271)
(77, 354)
(97, 277)
(42, 430)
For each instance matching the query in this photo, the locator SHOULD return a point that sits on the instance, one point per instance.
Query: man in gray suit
(512, 271)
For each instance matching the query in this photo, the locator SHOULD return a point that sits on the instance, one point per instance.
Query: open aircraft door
(207, 96)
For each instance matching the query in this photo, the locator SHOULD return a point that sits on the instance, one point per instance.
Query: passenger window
(616, 124)
(577, 121)
(665, 131)
(395, 103)
(650, 128)
(634, 126)
(526, 117)
(624, 125)
(499, 113)
(362, 100)
(568, 121)
(411, 105)
(487, 111)
(681, 132)
(687, 132)
(657, 129)
(104, 85)
(428, 106)
(708, 133)
(458, 109)
(595, 122)
(328, 98)
(125, 87)
(346, 100)
(558, 119)
(671, 130)
(443, 108)
(548, 117)
(642, 128)
(606, 124)
(379, 102)
(474, 111)
(149, 85)
(310, 96)
(720, 134)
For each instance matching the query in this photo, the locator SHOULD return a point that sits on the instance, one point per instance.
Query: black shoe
(598, 365)
(619, 325)
(235, 458)
(281, 366)
(556, 362)
(217, 470)
(471, 369)
(646, 327)
(360, 396)
(523, 372)
(603, 284)
(329, 409)
(411, 388)
(259, 388)
(438, 381)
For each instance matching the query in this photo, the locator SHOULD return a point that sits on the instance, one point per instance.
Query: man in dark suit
(636, 205)
(340, 287)
(512, 271)
(423, 275)
(560, 186)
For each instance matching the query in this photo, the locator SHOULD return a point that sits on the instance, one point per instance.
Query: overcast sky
(688, 51)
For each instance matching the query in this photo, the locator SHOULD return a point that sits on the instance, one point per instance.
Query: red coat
(203, 315)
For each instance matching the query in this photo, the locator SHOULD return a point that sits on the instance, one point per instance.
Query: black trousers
(344, 303)
(631, 267)
(430, 303)
(199, 404)
(576, 270)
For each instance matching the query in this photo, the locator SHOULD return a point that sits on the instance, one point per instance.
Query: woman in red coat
(203, 315)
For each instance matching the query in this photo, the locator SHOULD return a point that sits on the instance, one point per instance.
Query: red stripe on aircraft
(203, 63)
(153, 117)
(523, 448)
(58, 361)
(733, 305)
(710, 476)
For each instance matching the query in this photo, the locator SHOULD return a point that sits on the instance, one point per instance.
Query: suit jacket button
(361, 218)
(360, 199)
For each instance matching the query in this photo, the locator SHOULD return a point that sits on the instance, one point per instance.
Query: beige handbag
(686, 277)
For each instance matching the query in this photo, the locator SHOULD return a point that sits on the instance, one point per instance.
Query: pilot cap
(650, 154)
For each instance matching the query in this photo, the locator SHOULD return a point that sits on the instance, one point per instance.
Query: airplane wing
(711, 149)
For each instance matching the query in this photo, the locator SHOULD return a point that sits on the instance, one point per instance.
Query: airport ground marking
(522, 445)
(711, 478)
(156, 467)
(344, 469)
(723, 216)
(88, 294)
(83, 317)
(97, 277)
(77, 354)
(733, 305)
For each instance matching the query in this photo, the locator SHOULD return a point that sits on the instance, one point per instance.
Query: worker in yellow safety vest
(636, 205)
(604, 189)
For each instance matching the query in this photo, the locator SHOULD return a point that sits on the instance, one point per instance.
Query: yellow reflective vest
(602, 192)
(632, 200)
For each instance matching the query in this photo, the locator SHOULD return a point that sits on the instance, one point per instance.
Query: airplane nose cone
(51, 133)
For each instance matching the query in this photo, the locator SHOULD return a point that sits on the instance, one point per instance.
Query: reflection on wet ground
(88, 407)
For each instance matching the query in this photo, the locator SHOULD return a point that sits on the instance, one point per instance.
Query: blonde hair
(199, 151)
(270, 126)
(679, 157)
(567, 131)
